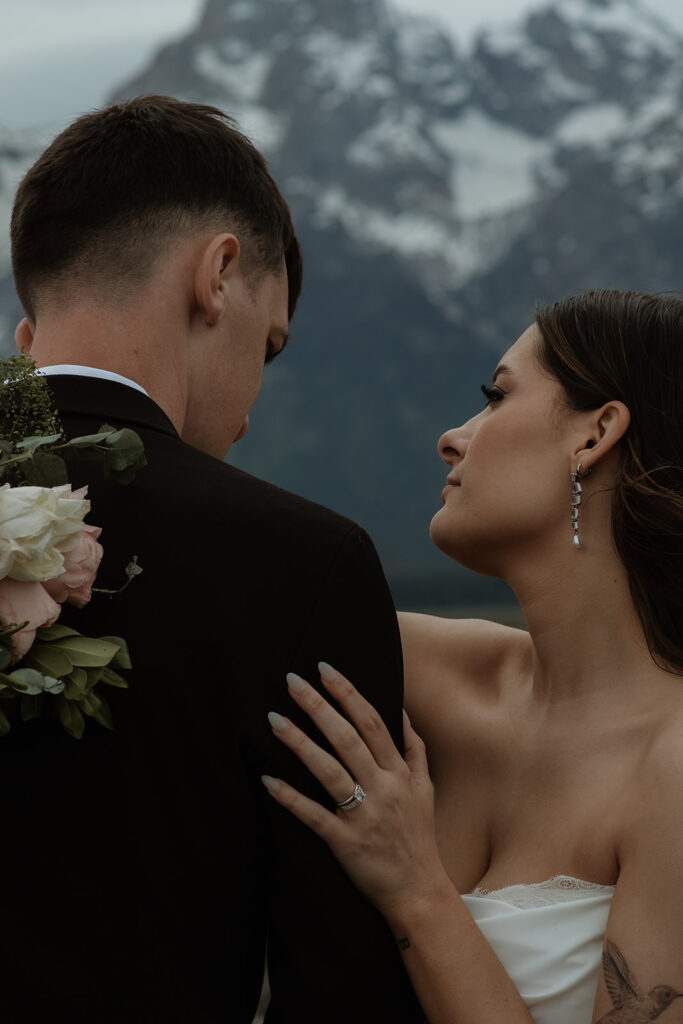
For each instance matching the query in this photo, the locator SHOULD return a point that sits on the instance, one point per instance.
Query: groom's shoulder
(220, 493)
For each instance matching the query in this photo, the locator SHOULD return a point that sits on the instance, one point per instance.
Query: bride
(538, 874)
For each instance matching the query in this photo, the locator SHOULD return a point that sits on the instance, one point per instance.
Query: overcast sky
(60, 57)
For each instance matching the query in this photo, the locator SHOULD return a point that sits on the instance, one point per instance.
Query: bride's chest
(504, 817)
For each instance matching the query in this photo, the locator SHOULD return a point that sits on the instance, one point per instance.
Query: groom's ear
(216, 265)
(23, 335)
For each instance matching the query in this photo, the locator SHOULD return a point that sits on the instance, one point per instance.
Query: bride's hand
(387, 843)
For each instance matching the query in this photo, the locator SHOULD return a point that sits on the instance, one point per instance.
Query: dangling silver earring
(576, 501)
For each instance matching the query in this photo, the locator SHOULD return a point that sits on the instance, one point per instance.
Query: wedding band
(357, 797)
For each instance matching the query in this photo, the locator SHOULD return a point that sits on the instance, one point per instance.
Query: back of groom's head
(107, 197)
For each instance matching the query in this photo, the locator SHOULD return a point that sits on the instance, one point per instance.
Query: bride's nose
(452, 445)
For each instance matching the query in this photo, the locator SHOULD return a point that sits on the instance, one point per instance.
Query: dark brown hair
(606, 345)
(120, 183)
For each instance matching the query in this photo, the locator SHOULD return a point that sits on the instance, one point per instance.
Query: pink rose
(80, 569)
(23, 601)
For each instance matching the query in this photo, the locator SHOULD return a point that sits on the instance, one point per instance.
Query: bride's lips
(450, 484)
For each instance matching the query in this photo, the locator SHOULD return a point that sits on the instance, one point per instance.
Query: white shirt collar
(73, 370)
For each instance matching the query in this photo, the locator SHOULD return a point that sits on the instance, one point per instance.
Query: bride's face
(509, 469)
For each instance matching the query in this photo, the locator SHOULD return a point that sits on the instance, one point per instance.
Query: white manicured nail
(329, 674)
(272, 785)
(277, 721)
(295, 682)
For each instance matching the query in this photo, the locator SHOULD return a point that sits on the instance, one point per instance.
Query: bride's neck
(588, 642)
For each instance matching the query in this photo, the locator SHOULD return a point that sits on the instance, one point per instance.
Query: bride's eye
(492, 394)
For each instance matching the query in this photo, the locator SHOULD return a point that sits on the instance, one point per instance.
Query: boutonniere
(49, 555)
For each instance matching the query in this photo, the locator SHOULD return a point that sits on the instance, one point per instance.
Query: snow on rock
(493, 166)
(398, 137)
(597, 125)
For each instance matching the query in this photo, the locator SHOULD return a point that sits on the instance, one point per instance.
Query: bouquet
(49, 556)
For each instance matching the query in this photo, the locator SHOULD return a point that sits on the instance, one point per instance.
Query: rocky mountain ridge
(438, 195)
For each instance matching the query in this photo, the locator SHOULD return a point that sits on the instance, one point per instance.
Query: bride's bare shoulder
(467, 645)
(456, 656)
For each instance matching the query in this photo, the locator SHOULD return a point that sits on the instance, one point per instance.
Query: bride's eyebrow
(502, 368)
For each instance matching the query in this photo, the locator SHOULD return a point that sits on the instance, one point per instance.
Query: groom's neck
(143, 348)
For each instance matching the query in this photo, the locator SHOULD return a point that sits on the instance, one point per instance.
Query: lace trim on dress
(558, 889)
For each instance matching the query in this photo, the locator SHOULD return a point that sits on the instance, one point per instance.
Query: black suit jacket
(144, 868)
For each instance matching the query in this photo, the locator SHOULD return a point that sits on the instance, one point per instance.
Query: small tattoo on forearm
(629, 1004)
(404, 943)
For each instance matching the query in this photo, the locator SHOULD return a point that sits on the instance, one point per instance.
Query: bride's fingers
(327, 770)
(364, 716)
(323, 823)
(343, 736)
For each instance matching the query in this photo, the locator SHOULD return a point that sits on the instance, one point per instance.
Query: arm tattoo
(629, 1004)
(404, 943)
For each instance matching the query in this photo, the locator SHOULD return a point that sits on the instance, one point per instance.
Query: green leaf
(31, 707)
(24, 680)
(114, 679)
(94, 675)
(5, 658)
(85, 651)
(103, 715)
(70, 717)
(5, 727)
(73, 689)
(127, 476)
(79, 678)
(90, 703)
(88, 440)
(50, 659)
(122, 657)
(8, 631)
(56, 632)
(44, 470)
(30, 444)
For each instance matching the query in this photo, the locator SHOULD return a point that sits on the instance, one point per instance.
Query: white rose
(37, 524)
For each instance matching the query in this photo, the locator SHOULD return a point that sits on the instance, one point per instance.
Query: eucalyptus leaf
(46, 470)
(50, 659)
(70, 717)
(103, 715)
(87, 440)
(127, 475)
(5, 727)
(26, 680)
(5, 658)
(88, 453)
(85, 651)
(30, 444)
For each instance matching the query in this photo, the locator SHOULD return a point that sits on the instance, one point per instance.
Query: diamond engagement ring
(356, 798)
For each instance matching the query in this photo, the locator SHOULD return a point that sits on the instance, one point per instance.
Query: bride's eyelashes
(493, 394)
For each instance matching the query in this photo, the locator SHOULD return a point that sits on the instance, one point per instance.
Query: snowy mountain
(438, 194)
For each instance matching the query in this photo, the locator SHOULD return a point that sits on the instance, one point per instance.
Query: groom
(145, 868)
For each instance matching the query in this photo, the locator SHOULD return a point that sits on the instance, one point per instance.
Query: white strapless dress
(548, 937)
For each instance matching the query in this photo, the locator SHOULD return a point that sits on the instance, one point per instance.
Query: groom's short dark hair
(106, 198)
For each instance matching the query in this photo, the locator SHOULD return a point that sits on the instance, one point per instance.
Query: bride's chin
(472, 553)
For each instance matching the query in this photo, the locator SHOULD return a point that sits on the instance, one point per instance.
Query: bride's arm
(388, 847)
(642, 963)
